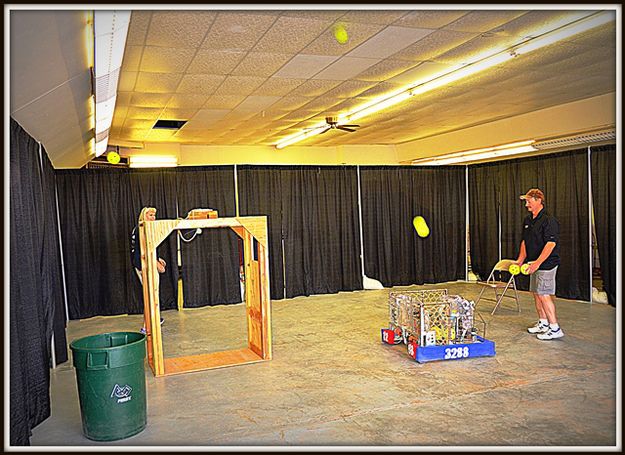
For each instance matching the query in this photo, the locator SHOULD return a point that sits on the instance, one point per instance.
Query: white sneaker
(539, 327)
(551, 334)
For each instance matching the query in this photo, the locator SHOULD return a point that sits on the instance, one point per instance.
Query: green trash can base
(110, 375)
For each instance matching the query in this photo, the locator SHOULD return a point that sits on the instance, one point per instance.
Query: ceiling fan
(332, 124)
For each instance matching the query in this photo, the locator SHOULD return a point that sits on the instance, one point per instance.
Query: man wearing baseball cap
(541, 246)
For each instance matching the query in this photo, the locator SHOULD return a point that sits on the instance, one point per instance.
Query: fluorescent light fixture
(478, 154)
(110, 28)
(152, 161)
(460, 72)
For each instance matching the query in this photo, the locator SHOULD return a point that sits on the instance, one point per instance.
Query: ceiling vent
(169, 124)
(579, 139)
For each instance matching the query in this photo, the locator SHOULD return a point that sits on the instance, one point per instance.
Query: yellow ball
(514, 269)
(112, 157)
(421, 226)
(341, 34)
(525, 269)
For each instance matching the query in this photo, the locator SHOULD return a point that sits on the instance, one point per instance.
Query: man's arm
(522, 253)
(544, 254)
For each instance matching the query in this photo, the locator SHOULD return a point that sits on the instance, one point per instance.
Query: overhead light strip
(460, 72)
(110, 30)
(478, 154)
(152, 161)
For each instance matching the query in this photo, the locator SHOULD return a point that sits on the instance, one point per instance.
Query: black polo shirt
(536, 233)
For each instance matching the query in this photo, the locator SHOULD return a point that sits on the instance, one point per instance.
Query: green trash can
(111, 384)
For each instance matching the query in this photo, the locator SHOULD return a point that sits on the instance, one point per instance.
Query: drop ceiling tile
(330, 15)
(187, 101)
(320, 104)
(433, 45)
(139, 123)
(389, 41)
(291, 102)
(206, 117)
(223, 101)
(210, 61)
(256, 103)
(348, 89)
(177, 114)
(204, 84)
(157, 82)
(483, 20)
(143, 112)
(239, 85)
(374, 16)
(260, 64)
(133, 134)
(278, 86)
(166, 59)
(345, 68)
(385, 69)
(534, 23)
(238, 30)
(132, 58)
(304, 66)
(127, 81)
(601, 37)
(159, 135)
(314, 88)
(291, 34)
(138, 27)
(327, 44)
(182, 28)
(476, 49)
(149, 99)
(428, 18)
(421, 73)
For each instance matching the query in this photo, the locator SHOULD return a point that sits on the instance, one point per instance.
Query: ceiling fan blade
(345, 129)
(352, 126)
(326, 130)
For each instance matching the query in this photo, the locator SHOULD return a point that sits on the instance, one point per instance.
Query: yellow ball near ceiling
(112, 157)
(340, 34)
(421, 226)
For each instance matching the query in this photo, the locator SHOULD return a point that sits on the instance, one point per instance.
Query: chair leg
(479, 297)
(516, 295)
(500, 298)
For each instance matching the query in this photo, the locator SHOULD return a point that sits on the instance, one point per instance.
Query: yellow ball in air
(421, 226)
(341, 34)
(514, 269)
(112, 157)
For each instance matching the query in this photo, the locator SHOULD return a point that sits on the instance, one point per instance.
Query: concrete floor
(333, 383)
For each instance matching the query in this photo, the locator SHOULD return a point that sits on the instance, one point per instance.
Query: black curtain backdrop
(314, 209)
(260, 193)
(34, 296)
(51, 271)
(483, 220)
(563, 177)
(603, 170)
(320, 226)
(153, 188)
(210, 261)
(391, 197)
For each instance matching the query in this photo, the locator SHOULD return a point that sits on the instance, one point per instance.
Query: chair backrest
(504, 265)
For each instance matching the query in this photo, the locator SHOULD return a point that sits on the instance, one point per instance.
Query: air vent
(102, 163)
(169, 124)
(580, 139)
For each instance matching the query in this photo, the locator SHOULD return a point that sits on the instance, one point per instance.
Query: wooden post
(257, 296)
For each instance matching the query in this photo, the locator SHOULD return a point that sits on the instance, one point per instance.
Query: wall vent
(169, 124)
(579, 139)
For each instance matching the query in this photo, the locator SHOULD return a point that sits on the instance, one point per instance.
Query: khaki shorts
(543, 282)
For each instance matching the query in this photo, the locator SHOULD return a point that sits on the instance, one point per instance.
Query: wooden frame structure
(253, 231)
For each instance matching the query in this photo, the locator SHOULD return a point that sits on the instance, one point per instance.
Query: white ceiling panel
(389, 41)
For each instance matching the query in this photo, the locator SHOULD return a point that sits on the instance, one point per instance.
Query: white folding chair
(500, 287)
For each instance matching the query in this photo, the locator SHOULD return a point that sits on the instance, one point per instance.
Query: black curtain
(483, 220)
(51, 271)
(563, 177)
(320, 226)
(260, 193)
(313, 211)
(603, 177)
(153, 188)
(210, 260)
(391, 197)
(32, 300)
